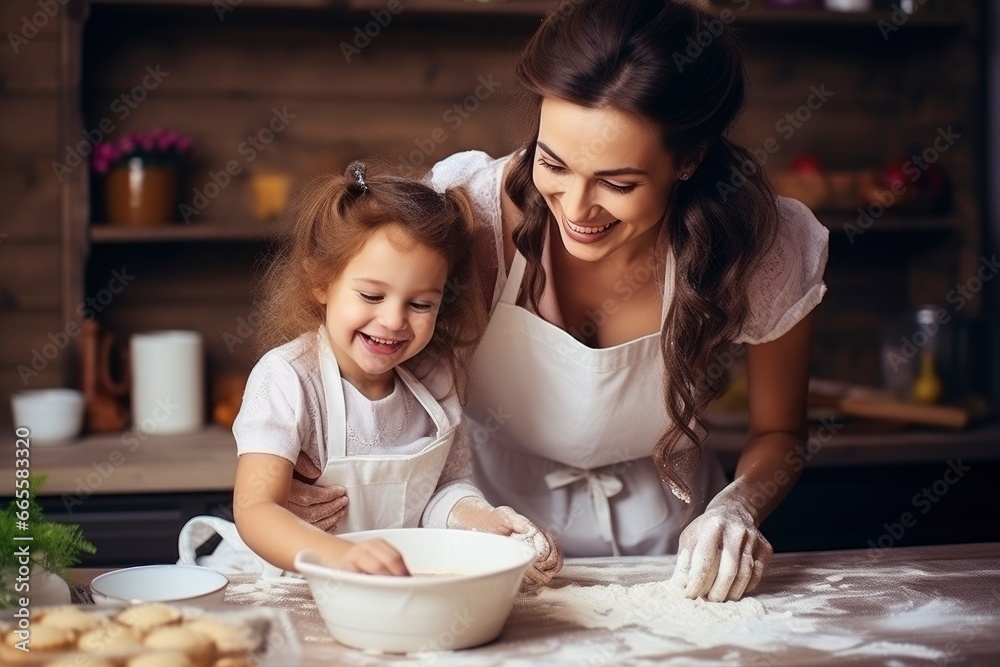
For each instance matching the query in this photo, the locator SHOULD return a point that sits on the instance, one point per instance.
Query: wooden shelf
(104, 233)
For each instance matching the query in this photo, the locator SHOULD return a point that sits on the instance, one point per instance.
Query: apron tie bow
(601, 486)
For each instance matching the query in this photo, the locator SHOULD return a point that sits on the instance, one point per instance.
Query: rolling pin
(876, 404)
(883, 408)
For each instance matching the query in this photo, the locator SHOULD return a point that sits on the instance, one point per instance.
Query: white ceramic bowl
(54, 416)
(422, 613)
(160, 583)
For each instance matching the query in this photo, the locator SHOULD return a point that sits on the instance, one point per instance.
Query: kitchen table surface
(897, 607)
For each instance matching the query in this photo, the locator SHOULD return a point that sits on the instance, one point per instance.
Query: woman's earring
(684, 176)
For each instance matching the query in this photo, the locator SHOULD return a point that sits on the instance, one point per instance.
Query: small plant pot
(139, 195)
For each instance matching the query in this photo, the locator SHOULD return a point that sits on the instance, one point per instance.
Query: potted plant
(36, 568)
(141, 175)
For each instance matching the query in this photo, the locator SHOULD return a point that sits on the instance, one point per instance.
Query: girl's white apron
(385, 491)
(564, 433)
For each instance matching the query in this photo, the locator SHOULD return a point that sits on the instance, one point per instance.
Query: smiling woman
(619, 183)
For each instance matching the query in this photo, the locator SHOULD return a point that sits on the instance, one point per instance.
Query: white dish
(404, 614)
(52, 416)
(160, 583)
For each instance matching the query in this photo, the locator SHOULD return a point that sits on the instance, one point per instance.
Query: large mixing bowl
(462, 591)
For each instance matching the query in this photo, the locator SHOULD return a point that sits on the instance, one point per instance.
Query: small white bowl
(160, 583)
(477, 576)
(53, 416)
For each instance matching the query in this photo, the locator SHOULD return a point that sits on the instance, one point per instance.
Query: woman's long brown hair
(637, 56)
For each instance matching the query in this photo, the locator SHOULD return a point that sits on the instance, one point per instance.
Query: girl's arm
(722, 554)
(276, 535)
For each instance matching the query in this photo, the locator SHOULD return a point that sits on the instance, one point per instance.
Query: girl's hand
(370, 557)
(321, 506)
(476, 514)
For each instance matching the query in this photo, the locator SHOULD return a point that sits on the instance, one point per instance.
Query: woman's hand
(722, 554)
(476, 514)
(369, 557)
(322, 506)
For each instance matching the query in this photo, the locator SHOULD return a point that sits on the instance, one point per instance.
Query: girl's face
(605, 177)
(381, 310)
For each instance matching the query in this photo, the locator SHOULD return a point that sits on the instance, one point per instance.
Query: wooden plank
(25, 332)
(31, 205)
(31, 71)
(29, 277)
(25, 17)
(30, 127)
(305, 61)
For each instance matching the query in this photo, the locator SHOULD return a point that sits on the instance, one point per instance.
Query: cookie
(230, 639)
(145, 617)
(161, 659)
(197, 646)
(235, 661)
(68, 618)
(42, 639)
(79, 660)
(109, 638)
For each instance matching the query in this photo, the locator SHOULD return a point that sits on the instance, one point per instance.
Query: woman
(629, 251)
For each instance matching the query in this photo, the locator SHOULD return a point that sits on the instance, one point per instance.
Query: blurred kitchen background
(149, 147)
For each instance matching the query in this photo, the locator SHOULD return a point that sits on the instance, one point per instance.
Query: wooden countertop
(206, 461)
(130, 463)
(897, 606)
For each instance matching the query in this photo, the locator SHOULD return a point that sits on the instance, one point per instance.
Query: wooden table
(896, 607)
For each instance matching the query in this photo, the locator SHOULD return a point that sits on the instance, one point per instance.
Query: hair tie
(357, 170)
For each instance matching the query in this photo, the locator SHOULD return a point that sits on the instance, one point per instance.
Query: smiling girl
(377, 307)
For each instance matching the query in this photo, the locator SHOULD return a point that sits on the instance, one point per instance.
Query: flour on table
(658, 607)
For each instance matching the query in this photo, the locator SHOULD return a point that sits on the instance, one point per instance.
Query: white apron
(386, 491)
(564, 433)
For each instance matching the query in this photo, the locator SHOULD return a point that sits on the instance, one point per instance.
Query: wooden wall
(225, 78)
(30, 230)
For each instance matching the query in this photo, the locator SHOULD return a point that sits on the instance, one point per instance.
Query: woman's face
(605, 177)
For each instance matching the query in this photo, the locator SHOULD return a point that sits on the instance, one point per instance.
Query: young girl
(378, 306)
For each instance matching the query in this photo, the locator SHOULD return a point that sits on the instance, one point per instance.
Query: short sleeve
(272, 419)
(788, 282)
(482, 178)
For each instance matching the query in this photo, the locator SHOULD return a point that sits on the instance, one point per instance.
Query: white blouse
(787, 284)
(284, 412)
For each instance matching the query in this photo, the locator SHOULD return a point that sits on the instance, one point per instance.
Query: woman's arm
(778, 378)
(722, 554)
(260, 498)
